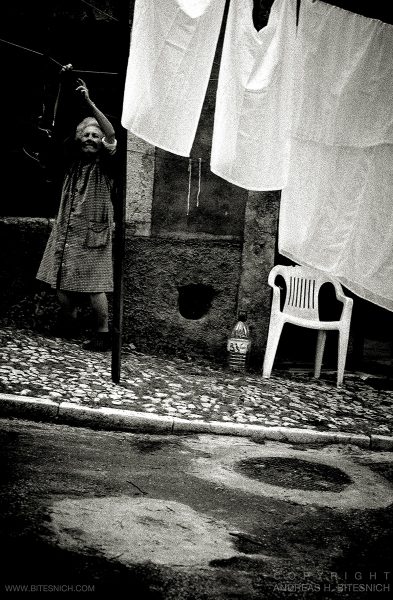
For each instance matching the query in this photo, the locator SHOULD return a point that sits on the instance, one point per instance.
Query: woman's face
(91, 140)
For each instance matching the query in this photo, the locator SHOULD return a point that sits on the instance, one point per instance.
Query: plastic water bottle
(239, 344)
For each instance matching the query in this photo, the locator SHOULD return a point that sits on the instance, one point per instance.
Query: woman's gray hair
(88, 121)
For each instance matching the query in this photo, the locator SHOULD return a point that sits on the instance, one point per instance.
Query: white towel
(172, 49)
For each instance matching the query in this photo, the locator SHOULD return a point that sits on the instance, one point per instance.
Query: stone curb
(68, 413)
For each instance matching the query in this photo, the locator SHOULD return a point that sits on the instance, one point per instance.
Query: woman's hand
(82, 89)
(66, 68)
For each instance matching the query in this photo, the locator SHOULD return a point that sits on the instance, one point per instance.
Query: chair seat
(312, 323)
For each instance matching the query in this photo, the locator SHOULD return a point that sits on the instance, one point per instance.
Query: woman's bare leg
(99, 304)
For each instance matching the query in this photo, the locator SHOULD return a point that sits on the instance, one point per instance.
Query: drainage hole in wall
(195, 300)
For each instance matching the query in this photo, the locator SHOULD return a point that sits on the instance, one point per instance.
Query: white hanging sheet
(172, 49)
(252, 120)
(344, 77)
(336, 212)
(336, 215)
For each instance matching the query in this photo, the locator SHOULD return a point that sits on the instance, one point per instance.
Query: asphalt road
(191, 517)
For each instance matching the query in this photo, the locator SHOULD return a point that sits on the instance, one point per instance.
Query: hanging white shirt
(173, 43)
(336, 212)
(251, 136)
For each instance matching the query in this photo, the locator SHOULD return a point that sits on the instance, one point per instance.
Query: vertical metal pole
(120, 216)
(118, 272)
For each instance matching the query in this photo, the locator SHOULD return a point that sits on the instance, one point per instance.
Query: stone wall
(258, 258)
(22, 243)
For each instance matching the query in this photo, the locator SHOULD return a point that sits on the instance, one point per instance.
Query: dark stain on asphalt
(382, 468)
(148, 446)
(294, 473)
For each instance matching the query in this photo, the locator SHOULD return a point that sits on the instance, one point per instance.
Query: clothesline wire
(99, 10)
(60, 65)
(76, 70)
(54, 60)
(96, 72)
(30, 50)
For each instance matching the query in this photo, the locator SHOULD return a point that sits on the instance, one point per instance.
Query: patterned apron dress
(78, 255)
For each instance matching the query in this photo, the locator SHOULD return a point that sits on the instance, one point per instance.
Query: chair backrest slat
(308, 287)
(302, 295)
(301, 292)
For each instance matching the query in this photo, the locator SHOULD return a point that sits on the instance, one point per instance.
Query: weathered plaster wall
(22, 242)
(155, 269)
(22, 298)
(140, 181)
(258, 258)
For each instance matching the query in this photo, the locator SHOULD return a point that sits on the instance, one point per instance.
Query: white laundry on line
(336, 215)
(251, 143)
(336, 211)
(172, 49)
(343, 76)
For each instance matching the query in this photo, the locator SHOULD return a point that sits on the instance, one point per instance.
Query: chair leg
(275, 329)
(319, 353)
(343, 336)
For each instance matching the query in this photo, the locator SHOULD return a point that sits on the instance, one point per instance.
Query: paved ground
(34, 366)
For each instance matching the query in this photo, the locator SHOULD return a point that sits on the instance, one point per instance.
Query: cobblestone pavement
(45, 367)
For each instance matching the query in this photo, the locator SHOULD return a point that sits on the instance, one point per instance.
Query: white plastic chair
(301, 308)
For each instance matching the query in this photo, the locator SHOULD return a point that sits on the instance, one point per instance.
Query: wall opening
(195, 300)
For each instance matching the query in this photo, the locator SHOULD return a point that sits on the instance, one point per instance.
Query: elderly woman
(78, 255)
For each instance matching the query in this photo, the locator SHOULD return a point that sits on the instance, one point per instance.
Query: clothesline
(99, 10)
(53, 59)
(60, 65)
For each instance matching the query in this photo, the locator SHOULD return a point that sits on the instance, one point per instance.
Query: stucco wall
(155, 270)
(258, 258)
(22, 243)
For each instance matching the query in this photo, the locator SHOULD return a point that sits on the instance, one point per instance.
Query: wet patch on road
(149, 445)
(364, 489)
(383, 468)
(295, 473)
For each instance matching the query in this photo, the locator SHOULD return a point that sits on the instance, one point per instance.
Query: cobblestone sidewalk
(44, 367)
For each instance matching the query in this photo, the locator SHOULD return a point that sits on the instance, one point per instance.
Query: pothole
(294, 473)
